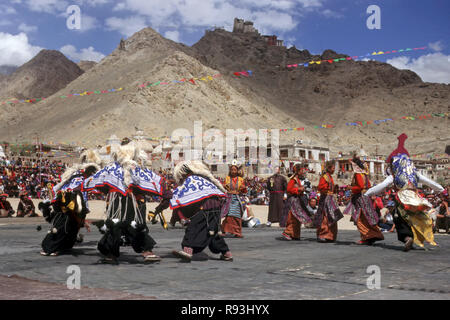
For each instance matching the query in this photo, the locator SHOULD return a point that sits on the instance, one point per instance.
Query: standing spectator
(277, 185)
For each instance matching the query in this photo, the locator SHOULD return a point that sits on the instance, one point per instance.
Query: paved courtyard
(265, 267)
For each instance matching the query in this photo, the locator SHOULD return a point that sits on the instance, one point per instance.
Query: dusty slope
(86, 65)
(334, 93)
(158, 110)
(275, 97)
(45, 74)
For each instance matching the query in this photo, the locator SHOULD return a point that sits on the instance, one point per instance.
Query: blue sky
(26, 26)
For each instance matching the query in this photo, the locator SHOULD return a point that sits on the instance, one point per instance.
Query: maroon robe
(277, 186)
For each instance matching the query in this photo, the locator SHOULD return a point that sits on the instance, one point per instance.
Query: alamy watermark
(374, 280)
(74, 280)
(374, 20)
(73, 21)
(250, 146)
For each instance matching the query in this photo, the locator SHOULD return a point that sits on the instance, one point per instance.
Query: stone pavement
(97, 208)
(265, 267)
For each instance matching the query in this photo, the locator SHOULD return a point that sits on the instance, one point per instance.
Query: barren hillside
(146, 56)
(45, 74)
(334, 93)
(273, 97)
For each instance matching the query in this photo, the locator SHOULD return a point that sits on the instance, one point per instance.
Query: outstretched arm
(380, 187)
(433, 185)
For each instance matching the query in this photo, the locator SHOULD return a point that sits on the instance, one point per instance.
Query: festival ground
(264, 267)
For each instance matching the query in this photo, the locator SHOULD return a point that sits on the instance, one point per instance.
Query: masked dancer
(67, 211)
(412, 222)
(328, 213)
(360, 206)
(298, 190)
(125, 224)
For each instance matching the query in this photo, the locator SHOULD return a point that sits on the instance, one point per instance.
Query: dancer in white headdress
(199, 198)
(67, 211)
(126, 180)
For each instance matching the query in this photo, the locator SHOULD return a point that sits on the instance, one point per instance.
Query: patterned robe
(327, 204)
(360, 203)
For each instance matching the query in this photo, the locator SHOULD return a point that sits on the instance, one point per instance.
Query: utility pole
(39, 161)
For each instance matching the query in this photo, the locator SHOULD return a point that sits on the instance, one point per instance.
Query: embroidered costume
(199, 198)
(360, 206)
(297, 204)
(412, 222)
(328, 212)
(68, 209)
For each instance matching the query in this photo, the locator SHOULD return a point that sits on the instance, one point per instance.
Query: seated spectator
(386, 222)
(5, 207)
(26, 207)
(443, 217)
(312, 209)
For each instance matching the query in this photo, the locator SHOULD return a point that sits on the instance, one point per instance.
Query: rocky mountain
(144, 57)
(273, 97)
(86, 65)
(334, 93)
(42, 76)
(7, 70)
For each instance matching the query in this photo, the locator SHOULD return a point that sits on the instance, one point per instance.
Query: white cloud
(269, 16)
(126, 26)
(5, 22)
(172, 35)
(331, 14)
(87, 23)
(436, 46)
(84, 54)
(15, 50)
(290, 42)
(120, 6)
(282, 4)
(266, 21)
(4, 9)
(26, 28)
(433, 67)
(92, 3)
(47, 6)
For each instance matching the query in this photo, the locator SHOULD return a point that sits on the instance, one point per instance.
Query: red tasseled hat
(400, 148)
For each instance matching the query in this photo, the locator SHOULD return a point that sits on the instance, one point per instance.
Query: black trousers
(402, 227)
(203, 231)
(142, 210)
(65, 237)
(139, 238)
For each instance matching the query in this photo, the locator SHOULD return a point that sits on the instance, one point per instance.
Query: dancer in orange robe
(360, 207)
(296, 204)
(328, 213)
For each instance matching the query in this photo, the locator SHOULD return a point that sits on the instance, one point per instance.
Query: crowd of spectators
(26, 178)
(29, 175)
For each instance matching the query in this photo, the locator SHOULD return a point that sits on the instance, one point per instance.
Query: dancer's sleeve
(291, 189)
(165, 202)
(380, 187)
(323, 185)
(359, 184)
(433, 185)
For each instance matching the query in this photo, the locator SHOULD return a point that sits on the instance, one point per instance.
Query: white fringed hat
(196, 167)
